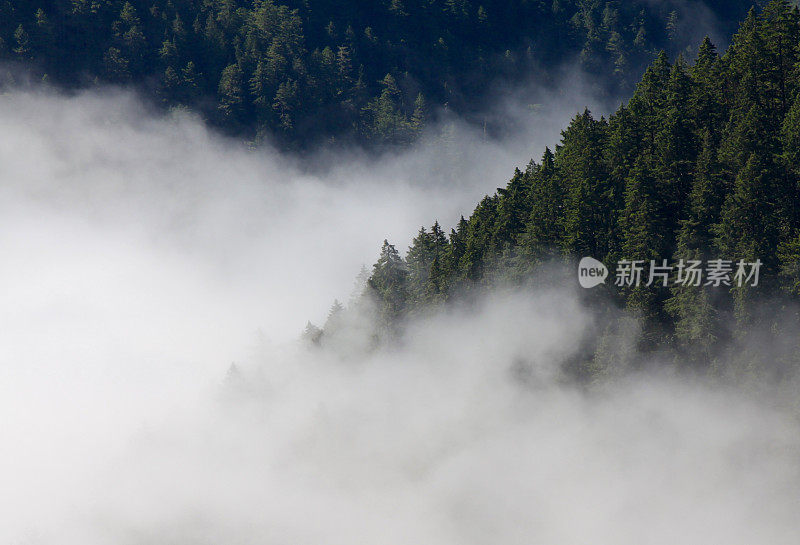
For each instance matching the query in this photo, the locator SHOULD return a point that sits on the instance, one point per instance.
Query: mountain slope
(312, 70)
(700, 165)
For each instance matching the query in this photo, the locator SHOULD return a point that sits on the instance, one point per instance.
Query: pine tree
(675, 152)
(648, 101)
(286, 103)
(779, 24)
(543, 233)
(312, 335)
(230, 93)
(427, 249)
(385, 119)
(750, 228)
(623, 147)
(191, 82)
(389, 281)
(476, 258)
(116, 66)
(335, 320)
(512, 213)
(129, 37)
(456, 248)
(170, 85)
(589, 216)
(419, 259)
(644, 241)
(706, 101)
(22, 41)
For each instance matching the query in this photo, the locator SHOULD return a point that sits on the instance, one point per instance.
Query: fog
(143, 254)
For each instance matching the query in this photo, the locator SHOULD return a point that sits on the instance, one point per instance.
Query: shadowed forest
(702, 163)
(371, 72)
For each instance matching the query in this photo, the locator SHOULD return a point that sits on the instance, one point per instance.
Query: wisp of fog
(143, 254)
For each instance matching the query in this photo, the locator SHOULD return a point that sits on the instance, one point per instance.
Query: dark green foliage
(701, 164)
(426, 261)
(544, 226)
(384, 117)
(389, 282)
(307, 71)
(588, 213)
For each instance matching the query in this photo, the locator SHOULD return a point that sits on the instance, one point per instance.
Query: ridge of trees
(703, 162)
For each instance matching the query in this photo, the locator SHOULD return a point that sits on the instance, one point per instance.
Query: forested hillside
(306, 71)
(701, 164)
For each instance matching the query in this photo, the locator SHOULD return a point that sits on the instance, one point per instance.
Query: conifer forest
(399, 272)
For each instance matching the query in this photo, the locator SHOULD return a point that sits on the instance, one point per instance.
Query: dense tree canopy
(306, 70)
(700, 164)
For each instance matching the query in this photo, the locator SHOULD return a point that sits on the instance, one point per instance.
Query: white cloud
(139, 257)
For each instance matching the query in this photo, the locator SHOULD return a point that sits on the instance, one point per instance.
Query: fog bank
(142, 255)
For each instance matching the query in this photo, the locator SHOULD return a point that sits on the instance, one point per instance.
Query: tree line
(703, 162)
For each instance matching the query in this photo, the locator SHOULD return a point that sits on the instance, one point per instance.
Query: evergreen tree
(22, 41)
(389, 281)
(589, 215)
(543, 233)
(424, 262)
(676, 151)
(335, 320)
(231, 96)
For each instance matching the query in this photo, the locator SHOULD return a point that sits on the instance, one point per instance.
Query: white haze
(140, 256)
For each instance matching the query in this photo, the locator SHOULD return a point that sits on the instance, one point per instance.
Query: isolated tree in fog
(311, 334)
